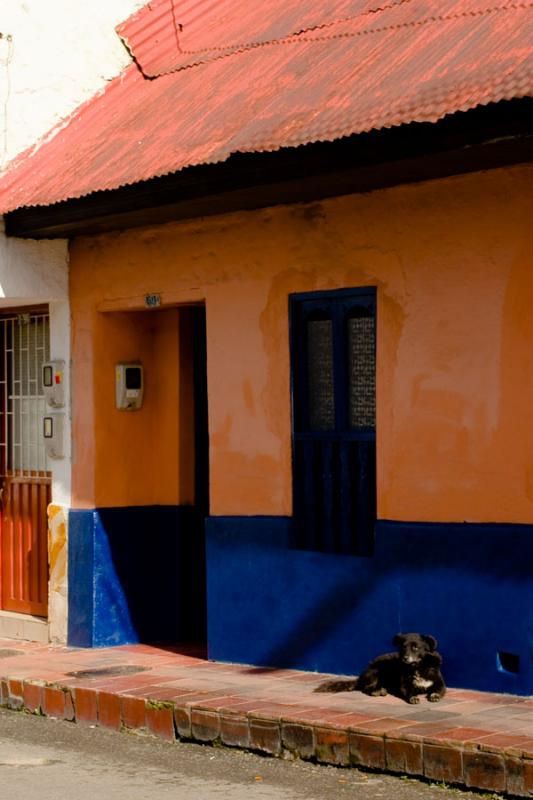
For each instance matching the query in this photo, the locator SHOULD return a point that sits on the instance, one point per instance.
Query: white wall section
(54, 55)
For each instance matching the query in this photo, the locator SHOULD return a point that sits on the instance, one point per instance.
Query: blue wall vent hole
(508, 662)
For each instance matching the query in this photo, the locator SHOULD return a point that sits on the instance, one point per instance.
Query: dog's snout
(410, 655)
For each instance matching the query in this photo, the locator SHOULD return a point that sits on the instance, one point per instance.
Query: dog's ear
(430, 641)
(398, 639)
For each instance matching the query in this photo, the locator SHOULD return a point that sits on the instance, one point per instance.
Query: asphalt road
(49, 760)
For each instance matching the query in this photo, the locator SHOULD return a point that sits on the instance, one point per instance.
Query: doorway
(25, 480)
(148, 573)
(176, 394)
(194, 582)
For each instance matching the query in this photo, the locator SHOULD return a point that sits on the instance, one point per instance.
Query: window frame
(357, 536)
(365, 297)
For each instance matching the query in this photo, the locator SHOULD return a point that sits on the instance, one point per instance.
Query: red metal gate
(25, 480)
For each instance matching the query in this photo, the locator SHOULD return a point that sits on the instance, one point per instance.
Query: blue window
(333, 370)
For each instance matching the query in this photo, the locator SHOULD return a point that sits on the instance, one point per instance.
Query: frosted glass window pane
(361, 372)
(320, 372)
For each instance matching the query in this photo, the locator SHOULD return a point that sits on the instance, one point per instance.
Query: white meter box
(53, 434)
(129, 386)
(54, 383)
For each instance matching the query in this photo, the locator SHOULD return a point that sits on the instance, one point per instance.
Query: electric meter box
(54, 383)
(53, 434)
(129, 385)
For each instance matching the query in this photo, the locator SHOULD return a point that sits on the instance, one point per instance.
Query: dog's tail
(349, 685)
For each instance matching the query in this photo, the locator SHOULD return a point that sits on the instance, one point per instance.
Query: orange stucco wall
(452, 263)
(138, 457)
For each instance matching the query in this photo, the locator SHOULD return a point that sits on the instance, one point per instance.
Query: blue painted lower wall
(136, 575)
(139, 575)
(469, 585)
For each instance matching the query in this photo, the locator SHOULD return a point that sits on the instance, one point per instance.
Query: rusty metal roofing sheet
(168, 35)
(369, 69)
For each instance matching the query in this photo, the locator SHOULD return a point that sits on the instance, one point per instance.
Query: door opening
(24, 475)
(196, 585)
(149, 577)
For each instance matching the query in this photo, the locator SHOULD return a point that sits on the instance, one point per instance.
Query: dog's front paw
(414, 700)
(434, 697)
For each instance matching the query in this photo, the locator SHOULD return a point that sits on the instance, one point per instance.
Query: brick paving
(479, 740)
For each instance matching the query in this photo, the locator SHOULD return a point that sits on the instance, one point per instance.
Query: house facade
(325, 439)
(452, 356)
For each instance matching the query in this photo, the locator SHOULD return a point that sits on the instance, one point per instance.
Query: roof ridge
(418, 22)
(295, 38)
(248, 45)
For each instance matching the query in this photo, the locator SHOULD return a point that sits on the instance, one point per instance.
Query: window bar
(17, 392)
(32, 388)
(4, 400)
(23, 376)
(14, 407)
(39, 358)
(40, 389)
(35, 396)
(26, 431)
(5, 390)
(30, 403)
(30, 461)
(36, 457)
(22, 439)
(7, 387)
(9, 392)
(40, 405)
(47, 358)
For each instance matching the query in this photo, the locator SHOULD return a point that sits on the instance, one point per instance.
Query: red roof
(164, 37)
(240, 77)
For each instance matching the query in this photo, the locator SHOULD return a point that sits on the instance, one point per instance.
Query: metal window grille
(25, 346)
(320, 372)
(362, 372)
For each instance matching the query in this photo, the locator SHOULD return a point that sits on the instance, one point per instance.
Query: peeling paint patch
(57, 554)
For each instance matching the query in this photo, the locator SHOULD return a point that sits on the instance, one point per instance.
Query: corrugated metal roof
(364, 69)
(166, 35)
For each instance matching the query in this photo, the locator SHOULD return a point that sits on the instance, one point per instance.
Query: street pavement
(473, 739)
(52, 760)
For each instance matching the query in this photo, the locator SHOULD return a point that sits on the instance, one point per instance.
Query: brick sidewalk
(483, 741)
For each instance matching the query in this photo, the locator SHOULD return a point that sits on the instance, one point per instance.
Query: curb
(475, 764)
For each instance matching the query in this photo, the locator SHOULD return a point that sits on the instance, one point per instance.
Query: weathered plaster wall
(58, 584)
(53, 56)
(149, 448)
(22, 277)
(451, 260)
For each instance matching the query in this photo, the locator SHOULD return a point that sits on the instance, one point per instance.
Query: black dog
(412, 671)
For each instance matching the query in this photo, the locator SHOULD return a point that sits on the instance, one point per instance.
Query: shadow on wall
(139, 575)
(467, 584)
